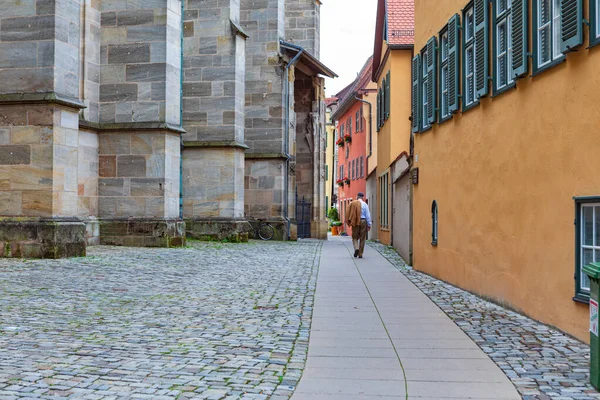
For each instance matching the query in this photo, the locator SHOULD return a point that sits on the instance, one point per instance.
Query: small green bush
(332, 214)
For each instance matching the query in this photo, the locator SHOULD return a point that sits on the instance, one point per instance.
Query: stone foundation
(238, 230)
(25, 237)
(137, 232)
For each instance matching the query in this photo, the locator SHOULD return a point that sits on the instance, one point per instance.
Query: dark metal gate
(303, 217)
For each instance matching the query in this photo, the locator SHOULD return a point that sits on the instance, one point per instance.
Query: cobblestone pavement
(541, 362)
(212, 321)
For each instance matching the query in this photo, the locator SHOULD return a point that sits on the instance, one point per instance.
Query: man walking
(359, 218)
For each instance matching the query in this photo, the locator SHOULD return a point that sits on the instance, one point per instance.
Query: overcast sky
(347, 32)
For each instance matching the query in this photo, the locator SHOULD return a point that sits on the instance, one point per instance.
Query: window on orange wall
(361, 119)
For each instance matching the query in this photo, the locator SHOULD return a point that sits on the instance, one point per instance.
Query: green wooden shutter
(382, 103)
(387, 96)
(481, 47)
(453, 62)
(326, 172)
(378, 125)
(432, 83)
(416, 63)
(519, 29)
(571, 24)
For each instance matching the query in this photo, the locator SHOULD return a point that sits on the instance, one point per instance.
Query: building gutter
(286, 138)
(181, 144)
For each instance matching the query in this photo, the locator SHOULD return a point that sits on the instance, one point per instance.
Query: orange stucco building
(353, 130)
(507, 203)
(392, 73)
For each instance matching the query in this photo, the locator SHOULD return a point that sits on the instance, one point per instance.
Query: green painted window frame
(536, 69)
(434, 223)
(424, 79)
(581, 295)
(594, 7)
(465, 44)
(415, 92)
(498, 18)
(444, 83)
(378, 122)
(388, 95)
(326, 172)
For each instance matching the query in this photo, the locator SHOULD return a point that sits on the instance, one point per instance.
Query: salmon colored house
(351, 118)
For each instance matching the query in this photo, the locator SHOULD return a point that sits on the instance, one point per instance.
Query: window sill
(593, 42)
(505, 89)
(582, 298)
(470, 106)
(537, 71)
(423, 130)
(448, 118)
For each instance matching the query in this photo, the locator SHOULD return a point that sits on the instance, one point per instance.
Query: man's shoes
(355, 253)
(359, 256)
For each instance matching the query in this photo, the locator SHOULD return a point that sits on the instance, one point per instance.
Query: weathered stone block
(129, 53)
(27, 28)
(108, 166)
(197, 89)
(15, 154)
(146, 72)
(131, 166)
(118, 92)
(147, 187)
(110, 187)
(140, 17)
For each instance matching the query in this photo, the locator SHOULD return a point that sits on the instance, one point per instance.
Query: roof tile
(401, 21)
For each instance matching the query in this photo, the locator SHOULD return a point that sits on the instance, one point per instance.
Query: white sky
(347, 32)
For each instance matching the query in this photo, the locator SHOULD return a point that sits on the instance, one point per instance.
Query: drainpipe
(181, 144)
(286, 139)
(370, 123)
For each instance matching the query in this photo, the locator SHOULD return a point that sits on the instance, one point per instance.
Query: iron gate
(303, 217)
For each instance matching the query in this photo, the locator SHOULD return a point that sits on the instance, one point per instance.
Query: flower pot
(334, 231)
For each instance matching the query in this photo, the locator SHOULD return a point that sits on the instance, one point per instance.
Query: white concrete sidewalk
(374, 335)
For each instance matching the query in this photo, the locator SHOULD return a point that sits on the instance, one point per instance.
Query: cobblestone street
(213, 321)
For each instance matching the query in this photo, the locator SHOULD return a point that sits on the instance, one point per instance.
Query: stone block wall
(263, 182)
(138, 175)
(302, 24)
(90, 53)
(140, 61)
(213, 178)
(39, 47)
(263, 21)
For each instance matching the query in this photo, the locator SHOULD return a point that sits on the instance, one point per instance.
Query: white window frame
(597, 18)
(444, 100)
(554, 26)
(470, 96)
(505, 17)
(595, 247)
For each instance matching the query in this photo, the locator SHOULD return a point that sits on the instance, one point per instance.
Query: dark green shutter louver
(378, 102)
(416, 63)
(481, 47)
(519, 29)
(571, 24)
(431, 81)
(387, 96)
(453, 63)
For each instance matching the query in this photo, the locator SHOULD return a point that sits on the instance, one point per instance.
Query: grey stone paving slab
(367, 329)
(212, 321)
(541, 362)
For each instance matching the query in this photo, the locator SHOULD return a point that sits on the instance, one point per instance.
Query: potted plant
(335, 226)
(340, 182)
(340, 142)
(347, 138)
(347, 181)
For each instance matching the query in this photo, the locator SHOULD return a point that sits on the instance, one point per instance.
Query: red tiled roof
(401, 21)
(330, 100)
(399, 17)
(346, 95)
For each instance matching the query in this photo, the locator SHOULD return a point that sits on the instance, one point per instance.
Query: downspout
(286, 139)
(370, 123)
(181, 144)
